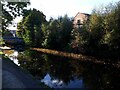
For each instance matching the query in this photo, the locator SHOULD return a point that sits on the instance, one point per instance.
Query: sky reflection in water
(56, 83)
(61, 72)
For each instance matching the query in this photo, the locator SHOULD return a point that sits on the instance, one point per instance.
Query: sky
(55, 8)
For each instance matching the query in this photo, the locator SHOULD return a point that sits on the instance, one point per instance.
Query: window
(78, 22)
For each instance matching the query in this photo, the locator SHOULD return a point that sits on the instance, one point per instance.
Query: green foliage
(100, 35)
(7, 33)
(112, 25)
(96, 30)
(10, 10)
(80, 37)
(57, 33)
(30, 27)
(1, 41)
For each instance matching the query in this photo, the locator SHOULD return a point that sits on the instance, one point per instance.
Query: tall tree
(30, 27)
(57, 33)
(112, 27)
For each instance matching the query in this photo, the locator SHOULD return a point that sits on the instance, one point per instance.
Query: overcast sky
(55, 8)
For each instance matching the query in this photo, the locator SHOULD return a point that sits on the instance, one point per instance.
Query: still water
(61, 72)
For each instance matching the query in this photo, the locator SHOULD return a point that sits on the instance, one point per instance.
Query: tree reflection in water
(59, 72)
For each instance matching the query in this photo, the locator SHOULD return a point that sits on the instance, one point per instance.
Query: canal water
(62, 72)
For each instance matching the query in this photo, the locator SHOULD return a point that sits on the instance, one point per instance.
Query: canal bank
(80, 57)
(62, 72)
(14, 77)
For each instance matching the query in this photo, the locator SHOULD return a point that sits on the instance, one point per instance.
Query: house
(79, 19)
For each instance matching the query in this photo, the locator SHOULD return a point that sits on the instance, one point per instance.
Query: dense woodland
(99, 36)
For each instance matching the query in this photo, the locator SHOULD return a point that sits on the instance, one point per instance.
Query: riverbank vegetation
(99, 36)
(81, 57)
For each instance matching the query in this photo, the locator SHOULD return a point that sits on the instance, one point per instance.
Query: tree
(10, 10)
(57, 33)
(50, 34)
(104, 32)
(30, 27)
(111, 26)
(80, 39)
(67, 27)
(96, 28)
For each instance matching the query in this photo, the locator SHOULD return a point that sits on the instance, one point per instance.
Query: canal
(62, 72)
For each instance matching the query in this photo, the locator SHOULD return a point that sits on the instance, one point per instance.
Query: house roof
(82, 13)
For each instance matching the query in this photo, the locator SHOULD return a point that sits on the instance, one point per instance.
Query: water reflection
(61, 72)
(56, 83)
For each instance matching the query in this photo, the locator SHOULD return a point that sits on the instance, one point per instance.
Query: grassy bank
(80, 57)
